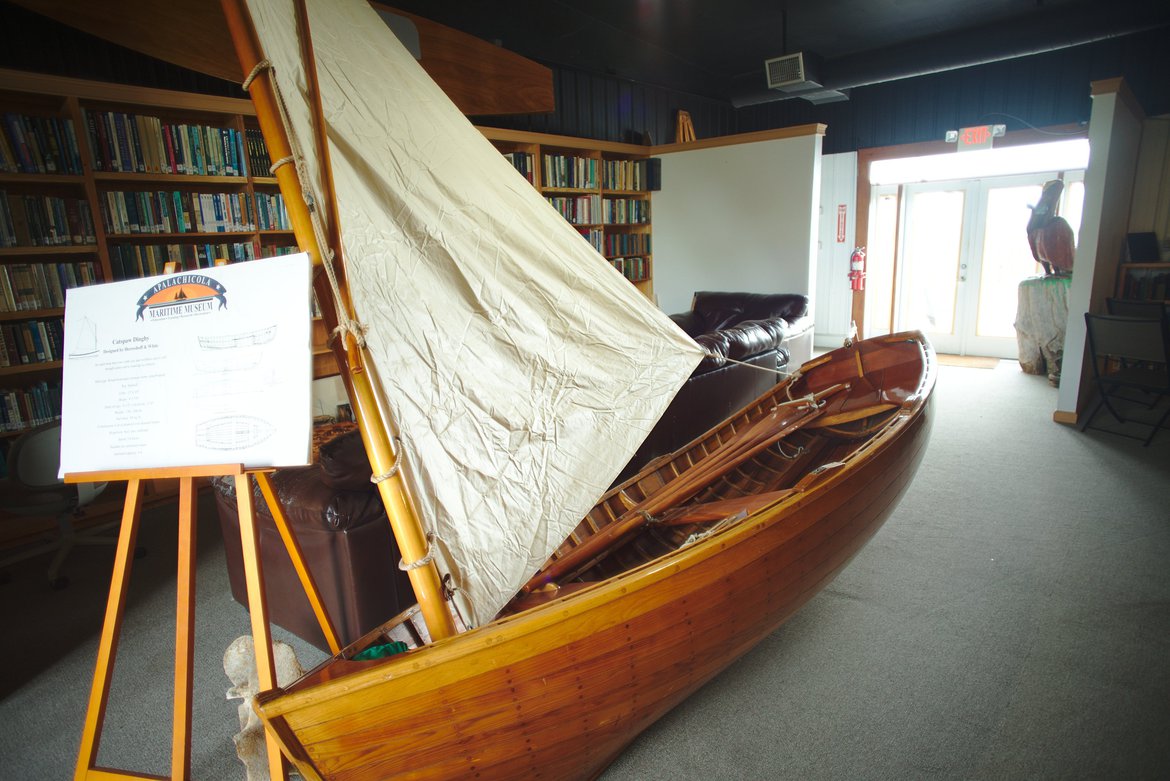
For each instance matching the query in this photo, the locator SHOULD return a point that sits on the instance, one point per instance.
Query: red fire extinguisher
(857, 269)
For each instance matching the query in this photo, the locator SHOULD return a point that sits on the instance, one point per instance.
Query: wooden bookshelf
(103, 182)
(1144, 281)
(602, 188)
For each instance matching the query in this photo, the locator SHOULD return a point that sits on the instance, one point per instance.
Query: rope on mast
(346, 324)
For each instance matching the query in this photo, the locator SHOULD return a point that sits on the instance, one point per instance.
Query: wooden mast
(373, 422)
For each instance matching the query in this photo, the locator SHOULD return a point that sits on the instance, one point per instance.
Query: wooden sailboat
(581, 663)
(496, 403)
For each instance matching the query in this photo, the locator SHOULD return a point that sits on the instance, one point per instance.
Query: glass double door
(962, 252)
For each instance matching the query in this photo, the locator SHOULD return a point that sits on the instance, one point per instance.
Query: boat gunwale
(510, 629)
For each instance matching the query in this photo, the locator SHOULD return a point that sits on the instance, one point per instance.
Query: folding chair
(1129, 353)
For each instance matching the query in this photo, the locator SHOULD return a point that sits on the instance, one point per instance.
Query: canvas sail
(522, 370)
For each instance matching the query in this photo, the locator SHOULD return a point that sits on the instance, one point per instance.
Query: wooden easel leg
(184, 634)
(112, 626)
(258, 610)
(298, 560)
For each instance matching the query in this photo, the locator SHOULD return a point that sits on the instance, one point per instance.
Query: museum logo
(184, 295)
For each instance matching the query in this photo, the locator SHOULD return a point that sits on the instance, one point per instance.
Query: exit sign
(978, 137)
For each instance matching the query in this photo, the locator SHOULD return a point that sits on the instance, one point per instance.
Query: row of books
(624, 175)
(31, 341)
(627, 244)
(525, 163)
(633, 269)
(625, 211)
(1151, 284)
(570, 171)
(259, 161)
(578, 210)
(271, 214)
(581, 172)
(129, 261)
(38, 145)
(31, 406)
(31, 286)
(44, 221)
(594, 236)
(176, 211)
(139, 143)
(273, 250)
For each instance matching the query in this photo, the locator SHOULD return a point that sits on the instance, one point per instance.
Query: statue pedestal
(1041, 315)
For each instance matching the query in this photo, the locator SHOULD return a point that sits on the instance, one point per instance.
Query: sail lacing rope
(345, 323)
(425, 560)
(375, 479)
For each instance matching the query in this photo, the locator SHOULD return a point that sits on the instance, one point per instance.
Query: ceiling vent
(792, 72)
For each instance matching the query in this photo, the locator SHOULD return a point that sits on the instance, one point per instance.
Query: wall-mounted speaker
(654, 174)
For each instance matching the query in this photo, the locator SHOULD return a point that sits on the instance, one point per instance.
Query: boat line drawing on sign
(260, 336)
(232, 432)
(84, 339)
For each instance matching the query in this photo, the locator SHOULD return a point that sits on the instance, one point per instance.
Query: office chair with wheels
(32, 488)
(1129, 353)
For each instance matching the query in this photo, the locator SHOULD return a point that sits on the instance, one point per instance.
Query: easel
(185, 608)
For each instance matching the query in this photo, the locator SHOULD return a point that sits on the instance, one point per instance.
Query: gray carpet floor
(1010, 621)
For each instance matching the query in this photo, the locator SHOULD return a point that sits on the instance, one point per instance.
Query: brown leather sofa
(338, 519)
(714, 311)
(760, 329)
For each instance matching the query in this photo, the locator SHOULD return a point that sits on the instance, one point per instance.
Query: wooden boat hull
(558, 690)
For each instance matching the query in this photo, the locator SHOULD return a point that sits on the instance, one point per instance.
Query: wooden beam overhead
(480, 78)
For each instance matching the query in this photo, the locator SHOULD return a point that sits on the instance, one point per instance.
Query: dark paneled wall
(29, 41)
(611, 109)
(1041, 90)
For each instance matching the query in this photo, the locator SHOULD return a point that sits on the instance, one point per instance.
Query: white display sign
(201, 367)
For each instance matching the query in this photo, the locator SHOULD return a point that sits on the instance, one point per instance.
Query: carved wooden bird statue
(1050, 236)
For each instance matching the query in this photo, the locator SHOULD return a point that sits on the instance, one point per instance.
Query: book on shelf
(142, 143)
(42, 285)
(1146, 283)
(627, 244)
(33, 341)
(31, 406)
(595, 236)
(634, 269)
(578, 209)
(257, 153)
(44, 221)
(625, 211)
(38, 145)
(570, 171)
(176, 211)
(524, 162)
(624, 175)
(128, 261)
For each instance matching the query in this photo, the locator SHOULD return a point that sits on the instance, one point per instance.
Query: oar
(760, 435)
